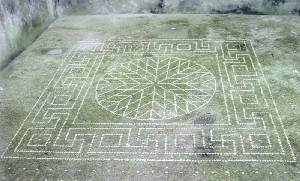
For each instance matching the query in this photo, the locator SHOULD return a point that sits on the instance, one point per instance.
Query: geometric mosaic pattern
(226, 76)
(153, 88)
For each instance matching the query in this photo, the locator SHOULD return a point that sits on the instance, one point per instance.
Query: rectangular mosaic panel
(188, 100)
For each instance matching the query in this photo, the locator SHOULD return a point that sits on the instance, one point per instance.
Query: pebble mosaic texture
(156, 80)
(154, 97)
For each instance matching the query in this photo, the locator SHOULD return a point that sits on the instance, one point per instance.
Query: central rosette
(153, 88)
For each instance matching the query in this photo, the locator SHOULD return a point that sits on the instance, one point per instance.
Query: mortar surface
(154, 97)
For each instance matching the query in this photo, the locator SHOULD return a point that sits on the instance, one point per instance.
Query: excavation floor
(154, 97)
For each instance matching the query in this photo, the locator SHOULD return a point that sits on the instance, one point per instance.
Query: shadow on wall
(21, 21)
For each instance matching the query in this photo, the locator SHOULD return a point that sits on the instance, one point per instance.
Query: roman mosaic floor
(154, 98)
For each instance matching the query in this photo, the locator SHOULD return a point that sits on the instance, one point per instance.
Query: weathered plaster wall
(21, 21)
(191, 6)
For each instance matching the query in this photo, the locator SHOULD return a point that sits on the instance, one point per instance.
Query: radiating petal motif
(155, 88)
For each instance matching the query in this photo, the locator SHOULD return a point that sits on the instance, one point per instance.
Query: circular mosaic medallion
(156, 88)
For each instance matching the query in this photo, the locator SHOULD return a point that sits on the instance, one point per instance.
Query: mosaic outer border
(249, 104)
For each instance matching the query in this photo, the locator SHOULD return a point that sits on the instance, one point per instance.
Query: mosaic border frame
(85, 69)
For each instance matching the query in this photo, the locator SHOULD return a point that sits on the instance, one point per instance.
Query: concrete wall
(21, 21)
